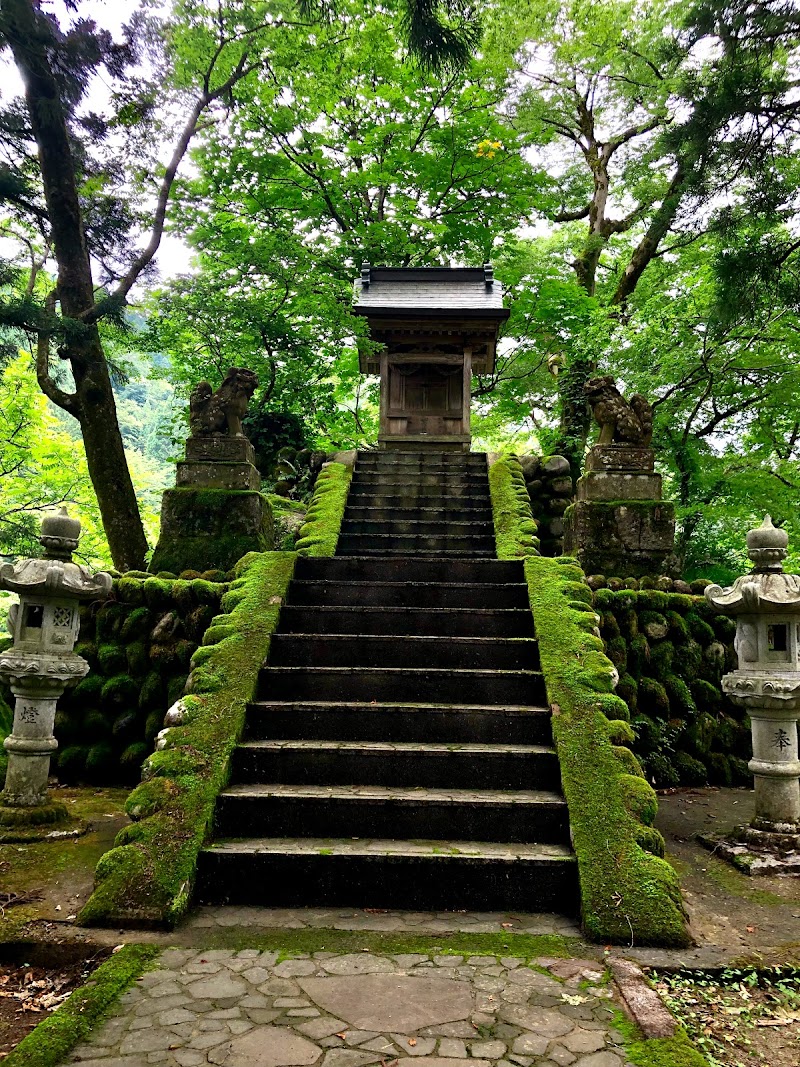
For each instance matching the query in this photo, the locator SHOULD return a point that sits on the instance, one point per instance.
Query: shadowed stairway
(399, 751)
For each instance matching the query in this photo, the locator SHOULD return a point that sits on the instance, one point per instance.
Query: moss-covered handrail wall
(629, 894)
(84, 1010)
(514, 525)
(147, 878)
(320, 532)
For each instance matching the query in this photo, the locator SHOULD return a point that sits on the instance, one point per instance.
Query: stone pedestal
(215, 514)
(31, 742)
(619, 526)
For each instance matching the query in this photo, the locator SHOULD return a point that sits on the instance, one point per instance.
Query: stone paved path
(252, 1009)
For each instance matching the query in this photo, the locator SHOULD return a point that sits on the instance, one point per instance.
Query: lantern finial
(766, 546)
(60, 535)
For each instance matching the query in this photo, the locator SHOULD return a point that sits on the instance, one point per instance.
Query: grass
(82, 1012)
(291, 943)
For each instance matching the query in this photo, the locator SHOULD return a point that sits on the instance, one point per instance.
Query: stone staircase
(399, 753)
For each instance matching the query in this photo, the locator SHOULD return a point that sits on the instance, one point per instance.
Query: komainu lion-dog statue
(620, 421)
(220, 413)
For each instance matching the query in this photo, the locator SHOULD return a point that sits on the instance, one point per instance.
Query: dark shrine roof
(425, 292)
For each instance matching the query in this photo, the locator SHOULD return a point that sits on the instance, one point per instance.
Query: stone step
(450, 514)
(392, 811)
(408, 594)
(457, 622)
(455, 459)
(424, 875)
(353, 569)
(450, 723)
(350, 544)
(434, 553)
(381, 650)
(413, 527)
(401, 684)
(412, 492)
(397, 763)
(413, 467)
(445, 502)
(385, 481)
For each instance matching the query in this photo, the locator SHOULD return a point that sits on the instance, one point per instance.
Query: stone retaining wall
(671, 650)
(550, 488)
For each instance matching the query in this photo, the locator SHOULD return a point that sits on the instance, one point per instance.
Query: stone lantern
(766, 605)
(41, 663)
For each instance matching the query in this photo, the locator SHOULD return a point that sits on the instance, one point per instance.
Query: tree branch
(66, 401)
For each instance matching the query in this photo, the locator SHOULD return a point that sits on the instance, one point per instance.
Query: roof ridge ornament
(366, 274)
(488, 275)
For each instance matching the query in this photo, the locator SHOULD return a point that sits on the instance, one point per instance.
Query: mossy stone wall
(138, 645)
(671, 650)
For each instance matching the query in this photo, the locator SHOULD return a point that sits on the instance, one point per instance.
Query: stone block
(203, 529)
(602, 485)
(217, 475)
(219, 450)
(630, 458)
(623, 539)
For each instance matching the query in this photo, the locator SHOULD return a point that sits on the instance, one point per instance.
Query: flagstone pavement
(254, 1009)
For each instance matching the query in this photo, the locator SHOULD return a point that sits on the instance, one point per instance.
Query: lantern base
(758, 850)
(48, 813)
(44, 822)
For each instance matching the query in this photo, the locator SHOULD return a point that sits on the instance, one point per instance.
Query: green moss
(690, 770)
(88, 689)
(148, 876)
(138, 624)
(720, 771)
(628, 689)
(514, 525)
(675, 1051)
(320, 532)
(83, 1011)
(112, 659)
(109, 620)
(71, 763)
(95, 726)
(100, 762)
(707, 697)
(662, 771)
(88, 651)
(662, 656)
(678, 630)
(119, 691)
(129, 590)
(138, 662)
(638, 655)
(151, 694)
(625, 891)
(681, 701)
(699, 629)
(653, 699)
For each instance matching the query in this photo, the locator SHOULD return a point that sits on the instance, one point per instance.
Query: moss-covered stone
(138, 661)
(690, 770)
(699, 629)
(150, 873)
(138, 623)
(112, 659)
(661, 659)
(118, 692)
(625, 889)
(515, 528)
(319, 534)
(653, 699)
(152, 691)
(109, 620)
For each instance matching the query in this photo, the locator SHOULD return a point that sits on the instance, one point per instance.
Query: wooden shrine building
(436, 327)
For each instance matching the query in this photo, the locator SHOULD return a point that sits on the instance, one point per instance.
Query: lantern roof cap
(766, 590)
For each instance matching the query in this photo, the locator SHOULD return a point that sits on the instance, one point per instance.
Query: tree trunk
(92, 404)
